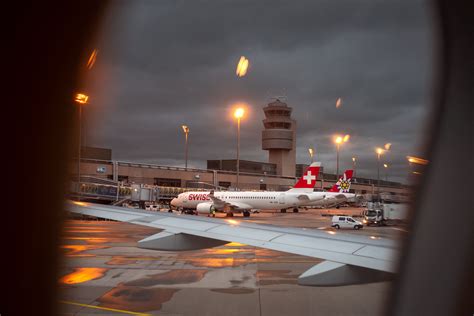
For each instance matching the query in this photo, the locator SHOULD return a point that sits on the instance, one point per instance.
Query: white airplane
(244, 201)
(338, 193)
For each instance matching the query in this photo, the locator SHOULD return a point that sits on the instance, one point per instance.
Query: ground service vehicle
(385, 213)
(345, 222)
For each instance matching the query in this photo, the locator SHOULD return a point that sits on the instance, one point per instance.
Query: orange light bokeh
(81, 98)
(82, 275)
(92, 58)
(242, 67)
(239, 113)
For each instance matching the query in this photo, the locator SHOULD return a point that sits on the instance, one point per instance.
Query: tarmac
(103, 272)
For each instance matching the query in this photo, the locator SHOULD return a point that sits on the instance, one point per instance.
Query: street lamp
(386, 171)
(338, 140)
(311, 153)
(81, 99)
(186, 132)
(238, 114)
(353, 166)
(379, 152)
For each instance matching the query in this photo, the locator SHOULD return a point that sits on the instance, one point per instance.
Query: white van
(345, 222)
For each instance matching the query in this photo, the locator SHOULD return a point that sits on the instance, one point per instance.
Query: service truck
(379, 213)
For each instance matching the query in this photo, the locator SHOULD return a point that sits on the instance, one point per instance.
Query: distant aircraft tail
(307, 182)
(344, 183)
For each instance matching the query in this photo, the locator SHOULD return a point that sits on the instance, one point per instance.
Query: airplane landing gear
(229, 214)
(246, 214)
(283, 210)
(295, 210)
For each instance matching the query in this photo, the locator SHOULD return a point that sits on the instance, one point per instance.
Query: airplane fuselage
(247, 199)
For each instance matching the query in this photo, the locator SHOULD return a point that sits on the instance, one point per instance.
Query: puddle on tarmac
(171, 277)
(117, 261)
(272, 277)
(234, 290)
(77, 250)
(81, 275)
(96, 240)
(217, 262)
(136, 299)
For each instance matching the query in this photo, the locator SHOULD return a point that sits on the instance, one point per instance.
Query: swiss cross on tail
(344, 183)
(308, 180)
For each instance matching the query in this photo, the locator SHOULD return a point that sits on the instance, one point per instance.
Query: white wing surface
(350, 259)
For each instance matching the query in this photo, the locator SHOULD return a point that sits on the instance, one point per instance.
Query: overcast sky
(162, 64)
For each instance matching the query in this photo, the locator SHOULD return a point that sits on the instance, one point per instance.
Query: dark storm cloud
(163, 64)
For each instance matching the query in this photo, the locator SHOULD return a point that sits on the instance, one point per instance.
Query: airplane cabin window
(322, 104)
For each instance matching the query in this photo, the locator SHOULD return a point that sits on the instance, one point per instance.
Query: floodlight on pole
(238, 114)
(339, 140)
(311, 153)
(81, 99)
(379, 152)
(354, 159)
(186, 132)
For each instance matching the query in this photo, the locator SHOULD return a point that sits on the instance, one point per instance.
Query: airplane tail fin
(344, 183)
(307, 182)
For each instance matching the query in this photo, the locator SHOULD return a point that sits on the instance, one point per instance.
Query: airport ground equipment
(345, 222)
(385, 213)
(348, 259)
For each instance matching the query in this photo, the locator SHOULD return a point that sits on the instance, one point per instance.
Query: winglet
(329, 273)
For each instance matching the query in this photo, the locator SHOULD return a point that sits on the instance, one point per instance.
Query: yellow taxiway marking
(103, 308)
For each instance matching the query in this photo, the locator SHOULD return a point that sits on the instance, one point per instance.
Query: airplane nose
(174, 202)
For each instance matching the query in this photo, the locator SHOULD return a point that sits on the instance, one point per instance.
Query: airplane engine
(204, 207)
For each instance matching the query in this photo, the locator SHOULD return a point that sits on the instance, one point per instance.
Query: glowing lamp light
(387, 146)
(185, 128)
(417, 160)
(92, 58)
(239, 113)
(81, 98)
(242, 67)
(379, 151)
(338, 139)
(338, 103)
(79, 203)
(385, 165)
(232, 222)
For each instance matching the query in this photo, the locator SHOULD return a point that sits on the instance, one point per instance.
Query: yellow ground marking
(103, 308)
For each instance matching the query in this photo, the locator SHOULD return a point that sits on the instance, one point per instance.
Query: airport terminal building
(278, 174)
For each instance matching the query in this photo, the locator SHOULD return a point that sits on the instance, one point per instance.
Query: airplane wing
(349, 259)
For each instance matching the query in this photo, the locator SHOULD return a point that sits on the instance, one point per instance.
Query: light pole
(311, 153)
(379, 152)
(353, 166)
(238, 114)
(338, 140)
(80, 99)
(186, 132)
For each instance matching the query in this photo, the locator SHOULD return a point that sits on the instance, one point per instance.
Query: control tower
(279, 137)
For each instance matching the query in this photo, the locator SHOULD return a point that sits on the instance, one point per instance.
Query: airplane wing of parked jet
(349, 259)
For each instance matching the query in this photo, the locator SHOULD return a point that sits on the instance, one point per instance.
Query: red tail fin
(308, 180)
(344, 182)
